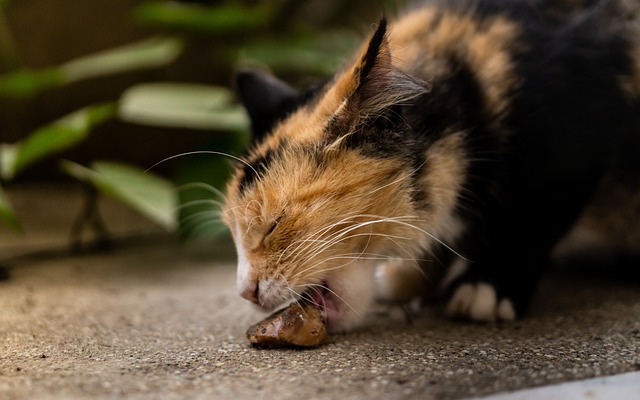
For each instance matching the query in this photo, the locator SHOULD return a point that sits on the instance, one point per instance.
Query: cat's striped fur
(469, 132)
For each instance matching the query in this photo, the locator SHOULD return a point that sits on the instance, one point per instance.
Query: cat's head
(329, 186)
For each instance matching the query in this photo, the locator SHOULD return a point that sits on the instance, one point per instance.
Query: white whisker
(204, 186)
(200, 202)
(202, 152)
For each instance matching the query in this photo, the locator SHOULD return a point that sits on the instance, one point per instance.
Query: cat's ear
(266, 99)
(378, 84)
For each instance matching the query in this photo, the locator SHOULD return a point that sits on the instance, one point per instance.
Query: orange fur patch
(446, 168)
(423, 50)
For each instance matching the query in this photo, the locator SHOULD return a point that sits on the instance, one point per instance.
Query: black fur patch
(373, 50)
(269, 100)
(255, 169)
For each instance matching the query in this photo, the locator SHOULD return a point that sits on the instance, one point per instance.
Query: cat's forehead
(303, 133)
(309, 123)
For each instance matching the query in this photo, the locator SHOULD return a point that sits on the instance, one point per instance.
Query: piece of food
(299, 325)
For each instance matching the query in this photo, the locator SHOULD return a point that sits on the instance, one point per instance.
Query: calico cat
(469, 135)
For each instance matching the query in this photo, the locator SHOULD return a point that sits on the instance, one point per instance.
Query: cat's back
(561, 77)
(509, 46)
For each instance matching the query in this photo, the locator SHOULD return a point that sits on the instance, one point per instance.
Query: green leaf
(6, 213)
(183, 106)
(149, 194)
(55, 137)
(223, 19)
(25, 82)
(150, 53)
(310, 52)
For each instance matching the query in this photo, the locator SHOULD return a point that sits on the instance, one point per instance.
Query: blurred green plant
(151, 195)
(182, 105)
(6, 212)
(52, 138)
(227, 18)
(151, 53)
(240, 33)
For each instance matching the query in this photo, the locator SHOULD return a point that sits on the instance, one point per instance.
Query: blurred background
(94, 95)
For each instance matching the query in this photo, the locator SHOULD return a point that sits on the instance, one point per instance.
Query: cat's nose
(250, 291)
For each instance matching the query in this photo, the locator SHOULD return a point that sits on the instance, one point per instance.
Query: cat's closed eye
(268, 233)
(271, 228)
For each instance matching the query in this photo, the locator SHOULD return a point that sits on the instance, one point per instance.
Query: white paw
(479, 302)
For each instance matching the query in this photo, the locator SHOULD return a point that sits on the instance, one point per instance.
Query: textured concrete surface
(623, 386)
(164, 321)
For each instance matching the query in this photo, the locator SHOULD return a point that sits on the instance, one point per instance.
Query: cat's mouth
(324, 299)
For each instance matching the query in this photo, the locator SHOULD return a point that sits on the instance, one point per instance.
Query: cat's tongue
(325, 301)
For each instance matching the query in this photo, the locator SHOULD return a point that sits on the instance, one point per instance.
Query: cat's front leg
(480, 301)
(490, 290)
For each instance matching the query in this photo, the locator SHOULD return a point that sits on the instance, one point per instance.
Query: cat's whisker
(205, 224)
(353, 258)
(402, 178)
(332, 240)
(432, 236)
(250, 224)
(219, 153)
(195, 219)
(309, 238)
(302, 252)
(314, 254)
(197, 214)
(338, 235)
(249, 204)
(287, 286)
(204, 186)
(305, 296)
(226, 211)
(199, 202)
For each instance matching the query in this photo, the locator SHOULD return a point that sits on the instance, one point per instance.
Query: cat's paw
(480, 302)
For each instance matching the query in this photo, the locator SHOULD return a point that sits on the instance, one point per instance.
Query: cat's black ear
(266, 99)
(377, 55)
(379, 84)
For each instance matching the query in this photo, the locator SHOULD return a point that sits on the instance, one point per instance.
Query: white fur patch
(354, 288)
(242, 275)
(479, 302)
(506, 312)
(460, 302)
(484, 303)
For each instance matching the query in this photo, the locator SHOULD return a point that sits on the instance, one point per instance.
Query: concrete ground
(162, 320)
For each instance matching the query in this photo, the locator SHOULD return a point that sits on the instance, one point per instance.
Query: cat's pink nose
(250, 291)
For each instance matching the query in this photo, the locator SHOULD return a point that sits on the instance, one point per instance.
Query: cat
(468, 135)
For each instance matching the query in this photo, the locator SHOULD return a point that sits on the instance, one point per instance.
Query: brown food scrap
(295, 326)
